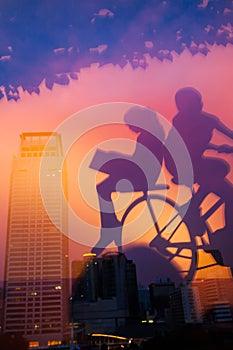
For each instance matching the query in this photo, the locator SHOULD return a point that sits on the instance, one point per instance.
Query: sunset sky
(153, 87)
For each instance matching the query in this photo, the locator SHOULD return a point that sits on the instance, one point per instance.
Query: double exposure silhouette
(140, 171)
(196, 128)
(137, 172)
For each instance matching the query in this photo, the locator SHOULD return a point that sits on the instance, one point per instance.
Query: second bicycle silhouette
(176, 227)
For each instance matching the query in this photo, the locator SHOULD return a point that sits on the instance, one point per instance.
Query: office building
(1, 308)
(36, 266)
(106, 293)
(144, 301)
(160, 292)
(207, 299)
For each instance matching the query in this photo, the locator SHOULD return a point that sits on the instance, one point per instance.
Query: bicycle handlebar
(159, 187)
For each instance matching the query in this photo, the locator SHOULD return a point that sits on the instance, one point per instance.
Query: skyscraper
(36, 266)
(160, 292)
(106, 293)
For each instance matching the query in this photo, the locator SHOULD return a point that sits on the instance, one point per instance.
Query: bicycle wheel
(166, 232)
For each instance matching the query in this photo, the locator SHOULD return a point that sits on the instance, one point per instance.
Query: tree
(41, 41)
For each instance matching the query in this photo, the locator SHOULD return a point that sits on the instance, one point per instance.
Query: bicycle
(168, 233)
(173, 238)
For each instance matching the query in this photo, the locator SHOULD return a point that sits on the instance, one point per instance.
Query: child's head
(141, 119)
(188, 99)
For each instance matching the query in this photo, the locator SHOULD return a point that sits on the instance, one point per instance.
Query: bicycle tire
(170, 246)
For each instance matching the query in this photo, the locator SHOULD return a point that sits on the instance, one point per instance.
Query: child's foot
(107, 236)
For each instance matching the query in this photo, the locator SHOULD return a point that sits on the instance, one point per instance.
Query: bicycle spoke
(152, 215)
(167, 225)
(213, 209)
(174, 231)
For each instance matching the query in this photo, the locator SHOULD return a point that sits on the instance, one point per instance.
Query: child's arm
(224, 129)
(101, 157)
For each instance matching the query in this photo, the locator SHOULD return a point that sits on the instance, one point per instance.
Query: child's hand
(225, 149)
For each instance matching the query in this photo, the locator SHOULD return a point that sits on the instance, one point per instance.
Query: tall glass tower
(36, 266)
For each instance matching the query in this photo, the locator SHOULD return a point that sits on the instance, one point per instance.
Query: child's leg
(111, 229)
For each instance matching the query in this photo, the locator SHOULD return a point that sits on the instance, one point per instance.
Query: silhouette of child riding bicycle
(142, 171)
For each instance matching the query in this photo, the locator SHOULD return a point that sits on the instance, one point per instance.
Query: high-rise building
(106, 293)
(1, 308)
(144, 301)
(160, 292)
(207, 298)
(36, 266)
